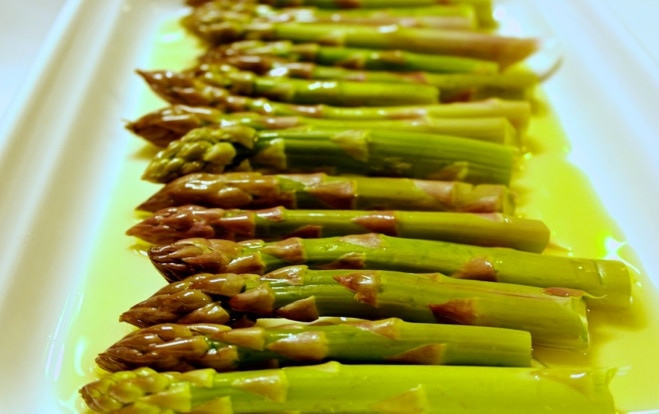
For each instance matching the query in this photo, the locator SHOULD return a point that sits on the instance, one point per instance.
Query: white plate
(66, 161)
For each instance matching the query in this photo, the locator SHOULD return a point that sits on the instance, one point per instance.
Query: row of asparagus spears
(337, 228)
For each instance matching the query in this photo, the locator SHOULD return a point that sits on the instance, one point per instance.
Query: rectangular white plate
(65, 161)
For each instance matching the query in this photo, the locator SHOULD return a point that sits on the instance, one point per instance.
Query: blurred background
(24, 26)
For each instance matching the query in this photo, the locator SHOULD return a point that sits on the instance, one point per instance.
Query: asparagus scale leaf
(332, 387)
(554, 317)
(336, 151)
(321, 191)
(174, 347)
(607, 281)
(176, 223)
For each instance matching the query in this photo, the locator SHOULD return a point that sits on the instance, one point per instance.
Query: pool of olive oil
(549, 188)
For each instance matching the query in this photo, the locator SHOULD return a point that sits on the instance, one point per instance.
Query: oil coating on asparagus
(554, 317)
(608, 282)
(190, 221)
(164, 125)
(320, 191)
(176, 347)
(335, 151)
(333, 387)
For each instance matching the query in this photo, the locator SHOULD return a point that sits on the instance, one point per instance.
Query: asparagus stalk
(519, 111)
(495, 129)
(164, 125)
(190, 221)
(336, 151)
(320, 191)
(455, 17)
(453, 87)
(351, 58)
(502, 50)
(554, 317)
(332, 387)
(483, 8)
(176, 347)
(607, 281)
(185, 88)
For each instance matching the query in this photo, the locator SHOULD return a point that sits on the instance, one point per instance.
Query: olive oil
(549, 188)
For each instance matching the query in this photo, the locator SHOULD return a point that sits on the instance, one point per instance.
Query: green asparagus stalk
(335, 151)
(554, 317)
(176, 347)
(495, 129)
(180, 88)
(164, 125)
(190, 221)
(350, 58)
(379, 389)
(607, 281)
(519, 110)
(174, 87)
(512, 84)
(320, 191)
(502, 50)
(455, 17)
(483, 8)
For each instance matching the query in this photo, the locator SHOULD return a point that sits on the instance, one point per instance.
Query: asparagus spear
(518, 112)
(495, 129)
(483, 8)
(455, 17)
(176, 347)
(332, 387)
(494, 229)
(320, 191)
(554, 317)
(607, 281)
(164, 125)
(337, 151)
(351, 58)
(185, 88)
(453, 87)
(502, 50)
